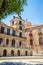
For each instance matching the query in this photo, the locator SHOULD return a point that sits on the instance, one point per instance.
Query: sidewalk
(24, 59)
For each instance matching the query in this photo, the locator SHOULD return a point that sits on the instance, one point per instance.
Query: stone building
(34, 39)
(20, 38)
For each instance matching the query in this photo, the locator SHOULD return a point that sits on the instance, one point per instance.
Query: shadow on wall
(12, 63)
(17, 63)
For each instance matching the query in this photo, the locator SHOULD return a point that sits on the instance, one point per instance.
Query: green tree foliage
(8, 7)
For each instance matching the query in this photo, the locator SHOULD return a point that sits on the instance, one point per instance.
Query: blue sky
(33, 12)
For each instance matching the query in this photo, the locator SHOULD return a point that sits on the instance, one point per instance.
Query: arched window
(31, 42)
(1, 40)
(26, 53)
(20, 43)
(5, 52)
(7, 41)
(13, 42)
(18, 52)
(12, 53)
(40, 41)
(20, 34)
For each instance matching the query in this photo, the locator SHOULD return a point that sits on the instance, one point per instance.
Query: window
(39, 30)
(20, 22)
(12, 22)
(20, 34)
(13, 42)
(26, 53)
(8, 31)
(13, 16)
(1, 40)
(13, 32)
(18, 52)
(20, 17)
(12, 53)
(20, 27)
(30, 31)
(31, 42)
(5, 52)
(20, 43)
(2, 29)
(7, 41)
(40, 41)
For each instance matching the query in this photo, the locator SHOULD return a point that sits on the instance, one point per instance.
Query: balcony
(13, 35)
(5, 45)
(22, 37)
(30, 34)
(16, 47)
(12, 45)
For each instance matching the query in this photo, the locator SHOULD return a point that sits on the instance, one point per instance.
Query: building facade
(35, 39)
(21, 38)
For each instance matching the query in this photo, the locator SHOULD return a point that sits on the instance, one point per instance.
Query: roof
(33, 26)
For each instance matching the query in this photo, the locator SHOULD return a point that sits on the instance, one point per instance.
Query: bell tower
(17, 22)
